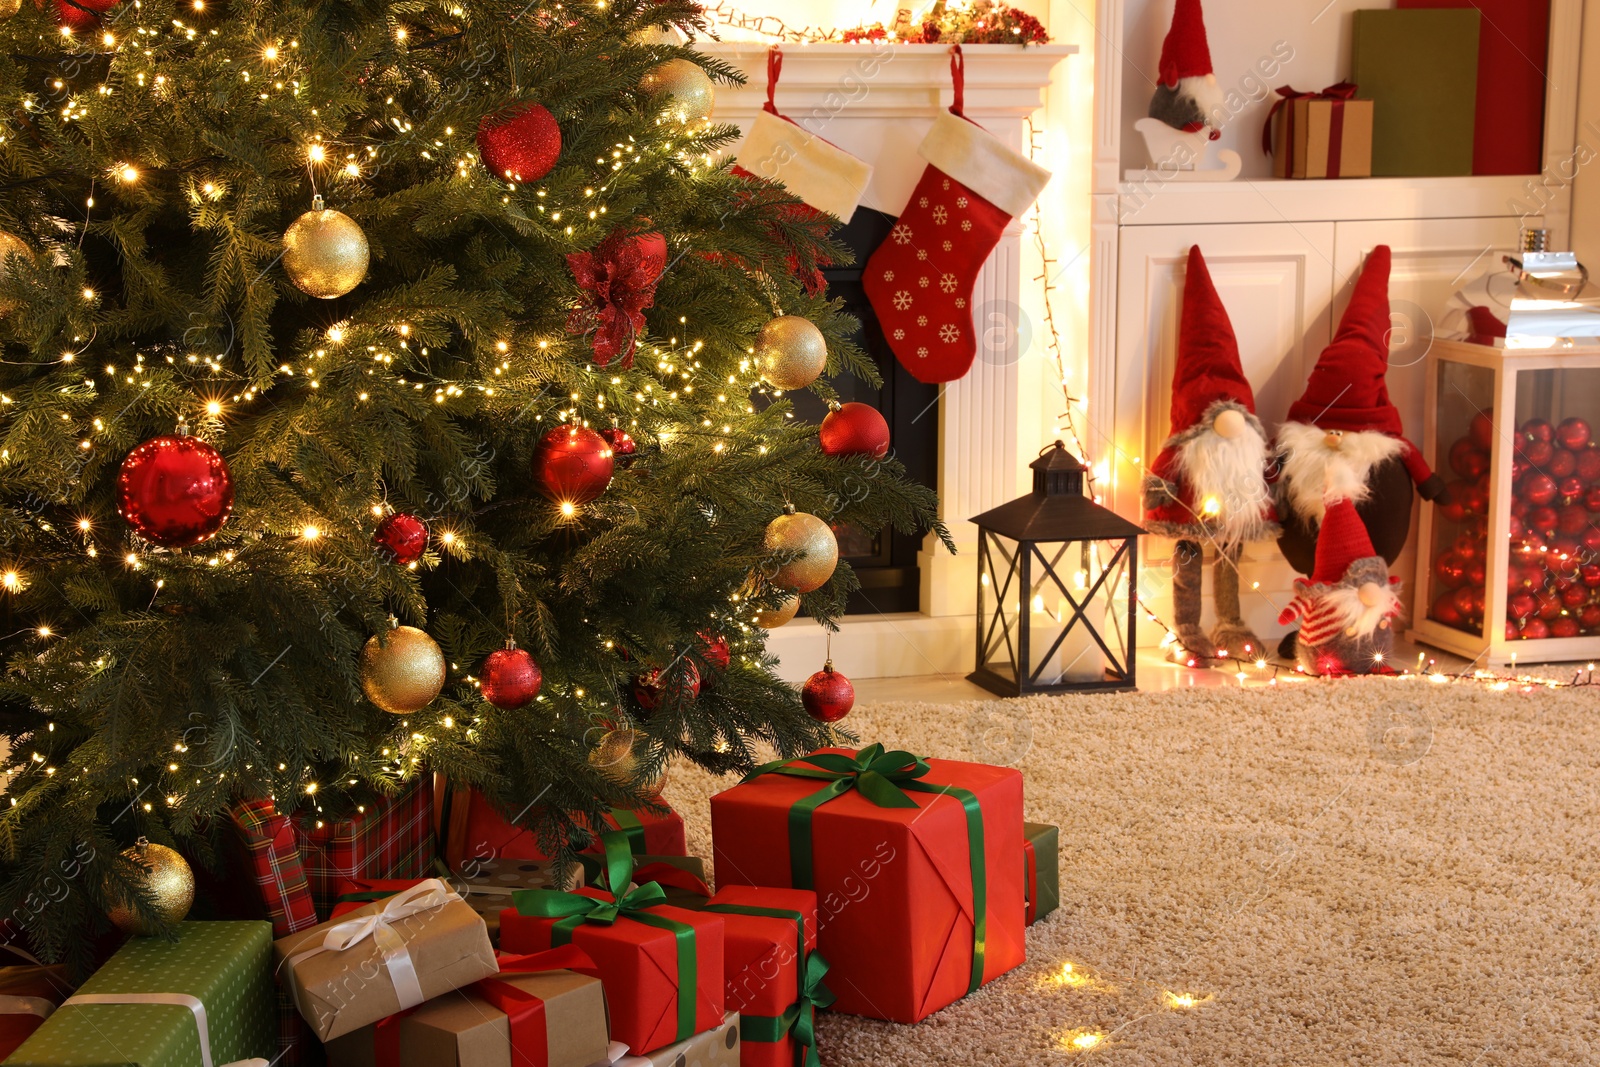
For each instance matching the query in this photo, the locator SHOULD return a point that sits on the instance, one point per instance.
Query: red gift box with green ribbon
(471, 828)
(914, 863)
(661, 965)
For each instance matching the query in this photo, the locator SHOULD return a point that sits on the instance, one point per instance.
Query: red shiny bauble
(1512, 631)
(1572, 519)
(1538, 488)
(402, 536)
(1464, 602)
(1538, 430)
(572, 465)
(854, 430)
(1566, 626)
(1562, 464)
(1575, 596)
(1542, 520)
(1444, 610)
(1573, 433)
(1535, 630)
(1481, 429)
(1539, 453)
(828, 695)
(1591, 497)
(1520, 508)
(1517, 529)
(1549, 604)
(1451, 507)
(175, 490)
(1450, 569)
(1469, 547)
(622, 446)
(1589, 464)
(1475, 500)
(511, 678)
(80, 20)
(1467, 460)
(1590, 540)
(1590, 616)
(1570, 487)
(1522, 606)
(1517, 578)
(1477, 573)
(717, 655)
(1519, 467)
(519, 143)
(654, 686)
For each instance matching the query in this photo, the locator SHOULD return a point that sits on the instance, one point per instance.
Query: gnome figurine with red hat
(1344, 609)
(1187, 96)
(1346, 417)
(1209, 483)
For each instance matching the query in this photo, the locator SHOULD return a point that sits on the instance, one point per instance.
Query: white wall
(1586, 186)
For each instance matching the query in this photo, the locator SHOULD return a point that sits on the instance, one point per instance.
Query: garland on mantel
(981, 22)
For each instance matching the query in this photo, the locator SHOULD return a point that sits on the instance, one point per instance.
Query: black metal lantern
(1063, 607)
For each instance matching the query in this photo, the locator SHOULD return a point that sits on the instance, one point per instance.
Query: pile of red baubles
(1553, 577)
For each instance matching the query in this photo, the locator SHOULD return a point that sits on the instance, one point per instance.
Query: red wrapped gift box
(271, 852)
(649, 833)
(661, 965)
(915, 868)
(392, 838)
(470, 828)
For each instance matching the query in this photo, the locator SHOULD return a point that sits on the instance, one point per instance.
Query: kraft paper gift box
(384, 957)
(1041, 863)
(29, 994)
(916, 868)
(543, 1010)
(205, 998)
(662, 965)
(487, 891)
(1321, 135)
(718, 1047)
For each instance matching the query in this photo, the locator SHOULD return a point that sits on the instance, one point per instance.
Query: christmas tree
(350, 343)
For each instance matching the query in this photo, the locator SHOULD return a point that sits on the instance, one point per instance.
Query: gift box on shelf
(717, 1047)
(29, 994)
(268, 848)
(384, 957)
(1320, 135)
(662, 965)
(542, 1010)
(916, 869)
(488, 891)
(203, 999)
(390, 838)
(1041, 864)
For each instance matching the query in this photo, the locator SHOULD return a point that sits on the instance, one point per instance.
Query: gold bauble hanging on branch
(691, 94)
(614, 756)
(11, 246)
(817, 547)
(776, 617)
(324, 252)
(402, 670)
(791, 352)
(168, 881)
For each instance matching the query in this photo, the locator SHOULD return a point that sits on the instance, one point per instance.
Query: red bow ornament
(618, 278)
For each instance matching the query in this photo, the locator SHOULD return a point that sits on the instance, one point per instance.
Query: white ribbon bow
(424, 896)
(14, 1005)
(181, 1000)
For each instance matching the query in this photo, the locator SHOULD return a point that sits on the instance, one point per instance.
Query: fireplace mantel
(876, 101)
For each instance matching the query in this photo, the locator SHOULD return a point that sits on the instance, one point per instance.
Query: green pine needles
(150, 162)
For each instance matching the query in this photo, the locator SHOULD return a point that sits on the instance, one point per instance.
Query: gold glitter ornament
(402, 671)
(791, 352)
(9, 8)
(817, 547)
(168, 882)
(688, 87)
(614, 756)
(776, 617)
(11, 245)
(325, 253)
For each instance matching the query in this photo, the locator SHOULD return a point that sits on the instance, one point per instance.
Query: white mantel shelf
(1157, 203)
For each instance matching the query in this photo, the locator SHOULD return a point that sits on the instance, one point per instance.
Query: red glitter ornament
(854, 430)
(1538, 430)
(828, 695)
(1450, 569)
(1575, 596)
(1589, 464)
(1535, 630)
(1566, 626)
(1562, 464)
(1572, 519)
(572, 465)
(1444, 610)
(1549, 604)
(1591, 498)
(716, 654)
(1539, 453)
(519, 143)
(510, 678)
(656, 685)
(623, 447)
(1589, 617)
(404, 537)
(1542, 520)
(1481, 429)
(1522, 606)
(82, 16)
(175, 490)
(1573, 433)
(1477, 574)
(1538, 488)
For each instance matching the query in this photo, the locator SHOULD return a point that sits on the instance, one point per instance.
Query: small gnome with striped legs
(1344, 609)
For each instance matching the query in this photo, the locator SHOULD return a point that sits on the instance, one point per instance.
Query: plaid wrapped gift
(272, 856)
(392, 838)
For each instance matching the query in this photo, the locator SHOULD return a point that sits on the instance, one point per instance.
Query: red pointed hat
(1342, 540)
(1185, 52)
(1207, 368)
(1347, 389)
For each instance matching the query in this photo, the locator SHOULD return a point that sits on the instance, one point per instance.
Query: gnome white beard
(1359, 618)
(1208, 97)
(1225, 477)
(1307, 459)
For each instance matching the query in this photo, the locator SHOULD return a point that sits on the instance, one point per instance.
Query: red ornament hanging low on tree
(623, 447)
(175, 490)
(82, 16)
(717, 655)
(572, 465)
(854, 430)
(828, 695)
(519, 143)
(656, 685)
(402, 537)
(511, 678)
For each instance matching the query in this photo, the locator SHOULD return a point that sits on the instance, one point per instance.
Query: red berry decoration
(402, 536)
(511, 678)
(175, 490)
(828, 695)
(623, 447)
(1481, 429)
(854, 430)
(655, 685)
(1589, 464)
(1566, 626)
(1563, 464)
(82, 16)
(717, 655)
(1539, 488)
(519, 143)
(572, 465)
(1573, 434)
(1450, 569)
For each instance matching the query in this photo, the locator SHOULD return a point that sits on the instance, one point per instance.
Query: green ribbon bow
(886, 779)
(572, 910)
(801, 1017)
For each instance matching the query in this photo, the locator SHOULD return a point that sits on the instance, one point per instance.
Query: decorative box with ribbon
(649, 833)
(383, 958)
(1041, 865)
(203, 1000)
(662, 965)
(1319, 135)
(915, 864)
(29, 994)
(487, 892)
(542, 1010)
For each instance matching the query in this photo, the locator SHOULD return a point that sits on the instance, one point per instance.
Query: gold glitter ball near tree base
(9, 8)
(771, 620)
(11, 245)
(169, 883)
(617, 756)
(403, 671)
(791, 352)
(691, 93)
(325, 253)
(817, 547)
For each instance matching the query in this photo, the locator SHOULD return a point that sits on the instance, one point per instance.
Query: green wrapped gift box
(151, 1002)
(1042, 867)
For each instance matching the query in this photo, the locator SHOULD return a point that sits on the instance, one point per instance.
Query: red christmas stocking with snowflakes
(920, 280)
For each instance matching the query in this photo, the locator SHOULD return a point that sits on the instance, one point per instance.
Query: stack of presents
(431, 931)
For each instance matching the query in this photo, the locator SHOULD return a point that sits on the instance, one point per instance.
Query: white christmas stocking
(920, 280)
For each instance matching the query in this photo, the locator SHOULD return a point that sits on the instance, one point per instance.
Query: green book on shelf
(1420, 67)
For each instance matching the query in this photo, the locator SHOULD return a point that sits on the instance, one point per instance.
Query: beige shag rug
(1354, 872)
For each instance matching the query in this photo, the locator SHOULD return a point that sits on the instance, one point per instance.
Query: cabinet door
(1275, 281)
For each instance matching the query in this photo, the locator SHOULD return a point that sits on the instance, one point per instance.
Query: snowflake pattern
(922, 201)
(947, 283)
(899, 335)
(961, 201)
(923, 281)
(966, 224)
(940, 215)
(947, 183)
(948, 245)
(961, 301)
(902, 300)
(888, 275)
(922, 253)
(922, 320)
(922, 351)
(949, 334)
(901, 234)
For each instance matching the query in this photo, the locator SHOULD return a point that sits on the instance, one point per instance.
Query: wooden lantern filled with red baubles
(1510, 564)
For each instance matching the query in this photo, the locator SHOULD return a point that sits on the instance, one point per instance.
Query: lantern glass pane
(1466, 395)
(1078, 613)
(999, 589)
